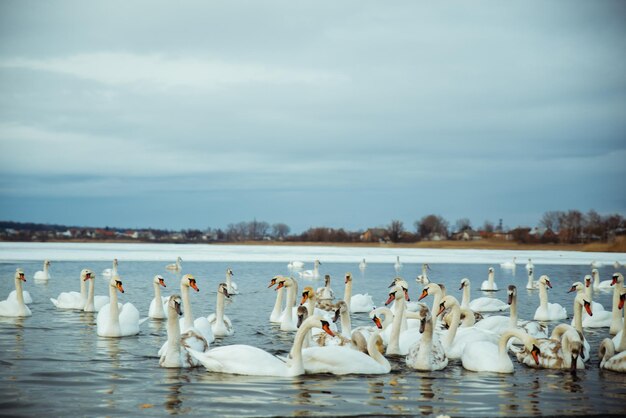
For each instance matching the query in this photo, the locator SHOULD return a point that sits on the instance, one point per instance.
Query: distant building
(374, 235)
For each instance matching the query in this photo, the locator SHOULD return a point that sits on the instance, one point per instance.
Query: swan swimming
(113, 321)
(311, 274)
(231, 286)
(156, 310)
(548, 311)
(43, 275)
(489, 285)
(177, 266)
(16, 307)
(220, 323)
(485, 356)
(483, 304)
(74, 300)
(95, 303)
(361, 302)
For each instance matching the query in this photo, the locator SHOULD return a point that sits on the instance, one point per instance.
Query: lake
(53, 363)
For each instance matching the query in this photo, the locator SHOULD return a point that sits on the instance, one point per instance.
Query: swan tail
(54, 302)
(207, 361)
(142, 320)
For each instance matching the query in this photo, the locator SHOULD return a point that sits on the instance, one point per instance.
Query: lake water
(53, 363)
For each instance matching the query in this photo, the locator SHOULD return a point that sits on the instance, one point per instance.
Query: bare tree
(488, 227)
(431, 224)
(395, 230)
(280, 231)
(551, 220)
(463, 224)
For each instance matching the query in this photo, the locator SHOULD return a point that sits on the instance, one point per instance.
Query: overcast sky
(343, 114)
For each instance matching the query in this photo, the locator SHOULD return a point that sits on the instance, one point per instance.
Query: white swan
(396, 294)
(483, 304)
(43, 275)
(275, 316)
(311, 274)
(16, 307)
(230, 284)
(108, 273)
(295, 265)
(326, 293)
(509, 265)
(618, 286)
(158, 303)
(288, 321)
(530, 265)
(220, 323)
(600, 318)
(252, 361)
(427, 354)
(361, 302)
(588, 282)
(95, 303)
(485, 356)
(201, 325)
(579, 303)
(548, 311)
(74, 300)
(619, 341)
(531, 284)
(177, 266)
(398, 265)
(455, 339)
(113, 321)
(563, 350)
(597, 284)
(609, 360)
(362, 265)
(423, 278)
(438, 294)
(489, 285)
(175, 353)
(339, 360)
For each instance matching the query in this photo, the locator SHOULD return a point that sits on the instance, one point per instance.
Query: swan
(435, 290)
(295, 265)
(176, 354)
(396, 294)
(358, 303)
(579, 303)
(423, 278)
(455, 339)
(358, 337)
(609, 360)
(595, 264)
(398, 265)
(409, 306)
(548, 311)
(231, 286)
(499, 324)
(427, 354)
(16, 307)
(74, 300)
(275, 316)
(201, 325)
(341, 361)
(362, 265)
(43, 275)
(588, 282)
(530, 265)
(95, 303)
(326, 293)
(108, 273)
(113, 321)
(563, 350)
(220, 323)
(600, 318)
(617, 265)
(311, 274)
(157, 304)
(252, 361)
(489, 285)
(597, 284)
(532, 284)
(485, 356)
(288, 321)
(483, 304)
(509, 265)
(619, 341)
(177, 266)
(618, 283)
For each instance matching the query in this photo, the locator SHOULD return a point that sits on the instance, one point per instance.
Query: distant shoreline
(484, 244)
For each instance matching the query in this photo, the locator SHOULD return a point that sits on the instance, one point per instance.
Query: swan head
(87, 274)
(512, 293)
(447, 302)
(273, 281)
(229, 272)
(302, 312)
(318, 322)
(158, 279)
(348, 278)
(46, 263)
(464, 282)
(397, 292)
(327, 280)
(19, 275)
(580, 299)
(431, 288)
(115, 262)
(174, 304)
(284, 282)
(317, 263)
(179, 260)
(545, 280)
(116, 282)
(307, 293)
(588, 280)
(223, 289)
(342, 309)
(189, 281)
(490, 270)
(576, 287)
(617, 277)
(594, 272)
(535, 352)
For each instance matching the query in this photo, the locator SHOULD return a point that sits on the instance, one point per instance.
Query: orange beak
(587, 283)
(622, 297)
(305, 296)
(406, 295)
(535, 353)
(280, 285)
(614, 280)
(327, 329)
(272, 283)
(379, 324)
(194, 286)
(424, 294)
(87, 277)
(22, 278)
(442, 308)
(392, 297)
(588, 308)
(549, 285)
(120, 287)
(162, 282)
(572, 289)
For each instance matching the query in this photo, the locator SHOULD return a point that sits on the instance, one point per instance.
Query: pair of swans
(489, 285)
(177, 266)
(85, 300)
(358, 303)
(43, 275)
(548, 311)
(311, 274)
(563, 350)
(483, 304)
(16, 306)
(287, 318)
(600, 318)
(487, 356)
(116, 321)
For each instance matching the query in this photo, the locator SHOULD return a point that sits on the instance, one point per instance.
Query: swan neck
(466, 297)
(89, 306)
(588, 293)
(396, 326)
(173, 331)
(543, 295)
(347, 293)
(373, 352)
(346, 325)
(83, 288)
(513, 311)
(219, 308)
(113, 309)
(506, 336)
(490, 278)
(188, 315)
(279, 302)
(435, 308)
(456, 317)
(19, 292)
(578, 316)
(296, 350)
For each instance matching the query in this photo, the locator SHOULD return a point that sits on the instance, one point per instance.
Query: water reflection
(175, 379)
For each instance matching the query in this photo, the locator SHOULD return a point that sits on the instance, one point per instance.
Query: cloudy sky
(344, 114)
